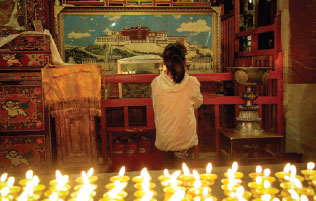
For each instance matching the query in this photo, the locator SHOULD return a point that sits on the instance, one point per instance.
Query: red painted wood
(147, 78)
(133, 129)
(280, 94)
(255, 31)
(104, 135)
(217, 125)
(126, 121)
(256, 52)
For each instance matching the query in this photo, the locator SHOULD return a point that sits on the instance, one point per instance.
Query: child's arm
(198, 99)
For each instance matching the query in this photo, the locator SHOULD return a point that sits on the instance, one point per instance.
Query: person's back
(175, 95)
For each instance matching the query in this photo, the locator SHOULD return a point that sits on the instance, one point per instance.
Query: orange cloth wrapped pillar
(73, 94)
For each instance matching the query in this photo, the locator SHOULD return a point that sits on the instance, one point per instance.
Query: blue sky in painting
(81, 30)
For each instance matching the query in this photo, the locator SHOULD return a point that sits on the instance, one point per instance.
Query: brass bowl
(250, 75)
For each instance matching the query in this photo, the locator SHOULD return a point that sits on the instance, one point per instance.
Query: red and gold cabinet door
(24, 128)
(21, 153)
(21, 102)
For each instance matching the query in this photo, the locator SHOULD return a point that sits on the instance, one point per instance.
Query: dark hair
(174, 58)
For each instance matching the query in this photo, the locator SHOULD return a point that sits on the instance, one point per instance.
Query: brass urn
(248, 120)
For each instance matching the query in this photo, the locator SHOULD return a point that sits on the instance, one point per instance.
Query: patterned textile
(20, 153)
(71, 88)
(24, 60)
(21, 108)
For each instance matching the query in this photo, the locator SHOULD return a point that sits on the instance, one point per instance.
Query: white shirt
(174, 106)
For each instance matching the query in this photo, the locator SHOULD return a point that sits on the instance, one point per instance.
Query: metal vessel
(248, 120)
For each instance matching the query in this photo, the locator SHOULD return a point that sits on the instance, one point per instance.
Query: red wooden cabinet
(24, 121)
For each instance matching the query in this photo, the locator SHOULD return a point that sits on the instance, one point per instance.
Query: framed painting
(107, 34)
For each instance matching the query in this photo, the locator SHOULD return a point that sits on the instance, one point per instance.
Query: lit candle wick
(310, 165)
(258, 169)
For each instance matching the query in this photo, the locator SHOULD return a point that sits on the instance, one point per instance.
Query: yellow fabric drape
(73, 88)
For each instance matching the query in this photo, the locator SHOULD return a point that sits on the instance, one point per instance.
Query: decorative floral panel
(21, 108)
(29, 42)
(24, 60)
(21, 153)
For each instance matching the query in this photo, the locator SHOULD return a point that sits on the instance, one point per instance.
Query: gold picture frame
(105, 34)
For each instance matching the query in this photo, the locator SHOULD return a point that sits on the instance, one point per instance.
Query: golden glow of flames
(122, 171)
(310, 165)
(185, 169)
(235, 166)
(209, 168)
(258, 169)
(267, 172)
(3, 177)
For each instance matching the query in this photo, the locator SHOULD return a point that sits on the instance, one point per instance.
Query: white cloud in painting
(113, 18)
(92, 30)
(78, 35)
(107, 31)
(196, 27)
(176, 16)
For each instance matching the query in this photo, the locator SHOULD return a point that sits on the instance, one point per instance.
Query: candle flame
(298, 183)
(240, 192)
(293, 173)
(205, 191)
(29, 188)
(113, 193)
(197, 184)
(197, 199)
(267, 172)
(304, 198)
(266, 184)
(3, 177)
(143, 172)
(90, 172)
(58, 175)
(4, 191)
(61, 182)
(230, 174)
(35, 180)
(209, 168)
(122, 171)
(85, 179)
(258, 169)
(258, 180)
(235, 166)
(148, 196)
(185, 169)
(230, 186)
(287, 168)
(146, 183)
(196, 175)
(175, 175)
(29, 174)
(53, 197)
(166, 172)
(173, 178)
(178, 195)
(310, 165)
(10, 182)
(23, 196)
(266, 197)
(294, 194)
